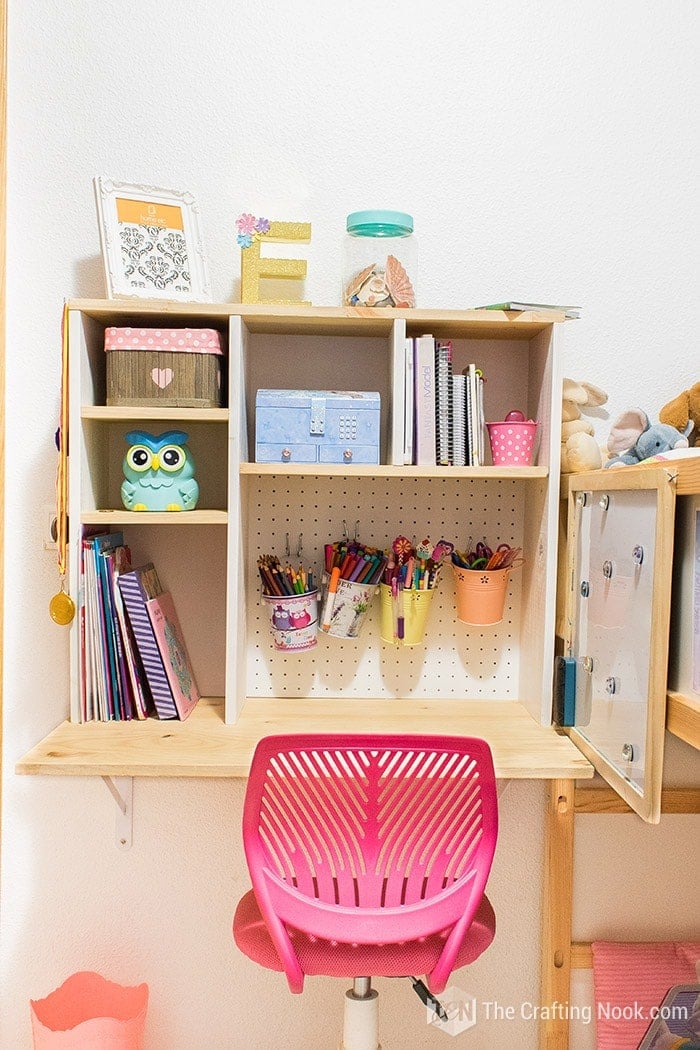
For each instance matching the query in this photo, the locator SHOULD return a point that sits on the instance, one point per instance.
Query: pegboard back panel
(456, 660)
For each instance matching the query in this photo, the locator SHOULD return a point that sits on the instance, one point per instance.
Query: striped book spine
(135, 597)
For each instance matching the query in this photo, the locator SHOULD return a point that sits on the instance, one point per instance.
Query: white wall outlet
(49, 527)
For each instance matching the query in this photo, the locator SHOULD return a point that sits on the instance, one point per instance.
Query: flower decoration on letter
(251, 229)
(251, 232)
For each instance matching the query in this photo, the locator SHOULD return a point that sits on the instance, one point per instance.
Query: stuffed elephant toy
(633, 438)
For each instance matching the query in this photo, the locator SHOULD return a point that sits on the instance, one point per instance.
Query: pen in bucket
(400, 619)
(356, 562)
(410, 576)
(352, 571)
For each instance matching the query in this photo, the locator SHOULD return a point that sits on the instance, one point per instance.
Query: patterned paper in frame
(151, 242)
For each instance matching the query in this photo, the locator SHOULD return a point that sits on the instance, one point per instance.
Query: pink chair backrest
(367, 837)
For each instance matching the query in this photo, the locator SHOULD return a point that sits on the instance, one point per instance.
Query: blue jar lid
(379, 223)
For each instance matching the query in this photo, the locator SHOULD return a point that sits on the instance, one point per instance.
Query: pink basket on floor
(512, 442)
(88, 1012)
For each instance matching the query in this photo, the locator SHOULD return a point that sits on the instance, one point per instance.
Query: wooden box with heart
(171, 367)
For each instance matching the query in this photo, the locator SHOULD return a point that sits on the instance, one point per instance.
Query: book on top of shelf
(137, 588)
(112, 683)
(424, 419)
(93, 704)
(398, 401)
(409, 403)
(125, 692)
(458, 421)
(443, 405)
(173, 651)
(569, 312)
(158, 637)
(100, 546)
(118, 563)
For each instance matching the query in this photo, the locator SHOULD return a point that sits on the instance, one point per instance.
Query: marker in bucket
(410, 576)
(349, 566)
(330, 598)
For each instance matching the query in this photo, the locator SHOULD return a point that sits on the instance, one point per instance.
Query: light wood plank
(203, 746)
(605, 800)
(121, 413)
(683, 717)
(302, 320)
(557, 910)
(684, 473)
(687, 475)
(378, 470)
(581, 955)
(155, 517)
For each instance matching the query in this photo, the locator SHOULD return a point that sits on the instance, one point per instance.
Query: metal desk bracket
(122, 791)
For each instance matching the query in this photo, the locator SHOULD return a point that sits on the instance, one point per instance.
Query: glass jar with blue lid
(379, 259)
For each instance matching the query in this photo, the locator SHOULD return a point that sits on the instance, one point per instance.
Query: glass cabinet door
(620, 547)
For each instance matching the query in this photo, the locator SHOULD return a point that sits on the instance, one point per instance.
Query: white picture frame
(151, 242)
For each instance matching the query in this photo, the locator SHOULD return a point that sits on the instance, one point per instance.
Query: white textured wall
(546, 152)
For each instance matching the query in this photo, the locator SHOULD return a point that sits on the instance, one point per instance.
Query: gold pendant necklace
(62, 606)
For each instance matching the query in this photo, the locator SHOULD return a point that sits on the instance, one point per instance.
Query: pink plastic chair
(369, 856)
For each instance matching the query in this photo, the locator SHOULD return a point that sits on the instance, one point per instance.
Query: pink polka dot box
(171, 367)
(512, 441)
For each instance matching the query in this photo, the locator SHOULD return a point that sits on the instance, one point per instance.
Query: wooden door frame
(3, 233)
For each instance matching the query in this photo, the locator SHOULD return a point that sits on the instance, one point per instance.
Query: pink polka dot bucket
(512, 441)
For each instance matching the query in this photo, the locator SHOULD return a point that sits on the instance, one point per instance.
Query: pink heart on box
(162, 377)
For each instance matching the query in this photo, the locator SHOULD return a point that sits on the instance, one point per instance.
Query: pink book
(176, 661)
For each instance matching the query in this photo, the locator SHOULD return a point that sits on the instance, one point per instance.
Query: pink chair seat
(320, 957)
(368, 854)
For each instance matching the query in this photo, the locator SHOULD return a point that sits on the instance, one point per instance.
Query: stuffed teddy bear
(633, 438)
(579, 449)
(684, 408)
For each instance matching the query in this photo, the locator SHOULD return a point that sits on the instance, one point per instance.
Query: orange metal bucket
(481, 595)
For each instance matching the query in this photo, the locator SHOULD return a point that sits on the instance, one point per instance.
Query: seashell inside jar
(379, 256)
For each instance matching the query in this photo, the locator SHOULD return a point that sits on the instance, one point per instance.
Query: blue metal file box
(317, 426)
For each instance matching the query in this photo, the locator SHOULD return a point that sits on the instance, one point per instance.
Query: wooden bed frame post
(556, 914)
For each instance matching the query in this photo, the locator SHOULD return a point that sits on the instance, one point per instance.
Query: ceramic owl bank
(158, 472)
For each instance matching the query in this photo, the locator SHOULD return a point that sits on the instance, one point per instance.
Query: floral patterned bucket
(89, 1012)
(350, 608)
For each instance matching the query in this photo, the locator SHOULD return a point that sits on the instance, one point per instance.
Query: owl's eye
(171, 457)
(139, 457)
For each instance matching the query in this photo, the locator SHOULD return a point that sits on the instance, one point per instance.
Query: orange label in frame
(145, 213)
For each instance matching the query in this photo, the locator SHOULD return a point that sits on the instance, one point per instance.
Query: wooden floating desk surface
(204, 746)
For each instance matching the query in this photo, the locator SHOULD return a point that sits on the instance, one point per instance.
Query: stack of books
(133, 655)
(439, 413)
